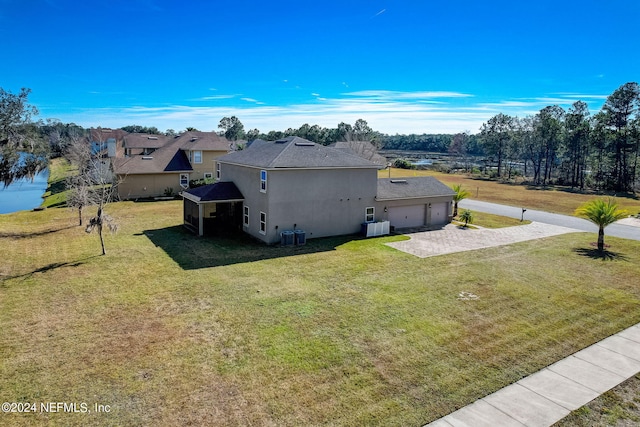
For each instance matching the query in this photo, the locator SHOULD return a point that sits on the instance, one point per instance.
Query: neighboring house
(294, 184)
(106, 142)
(158, 165)
(363, 149)
(142, 144)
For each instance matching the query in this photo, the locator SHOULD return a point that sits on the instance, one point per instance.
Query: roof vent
(152, 137)
(193, 138)
(147, 158)
(305, 144)
(282, 141)
(398, 181)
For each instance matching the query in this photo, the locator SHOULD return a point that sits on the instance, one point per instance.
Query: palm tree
(460, 194)
(466, 216)
(601, 213)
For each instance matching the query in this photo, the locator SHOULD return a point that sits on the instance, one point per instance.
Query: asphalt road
(617, 230)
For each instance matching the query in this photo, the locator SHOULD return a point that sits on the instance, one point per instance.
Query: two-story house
(157, 165)
(295, 184)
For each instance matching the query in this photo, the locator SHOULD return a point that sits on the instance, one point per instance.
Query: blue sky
(404, 66)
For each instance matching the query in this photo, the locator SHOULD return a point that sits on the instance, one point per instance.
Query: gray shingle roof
(364, 149)
(207, 141)
(143, 140)
(171, 156)
(295, 152)
(406, 188)
(215, 192)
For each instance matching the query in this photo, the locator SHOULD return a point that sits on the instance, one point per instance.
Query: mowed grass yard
(171, 329)
(555, 199)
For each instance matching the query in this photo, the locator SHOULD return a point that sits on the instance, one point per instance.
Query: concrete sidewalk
(453, 239)
(546, 397)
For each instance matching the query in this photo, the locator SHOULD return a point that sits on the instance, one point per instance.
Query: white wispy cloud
(255, 101)
(386, 111)
(530, 106)
(392, 95)
(215, 97)
(380, 13)
(580, 96)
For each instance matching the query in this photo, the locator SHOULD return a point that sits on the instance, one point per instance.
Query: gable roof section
(220, 191)
(169, 158)
(364, 149)
(145, 140)
(206, 141)
(295, 152)
(179, 162)
(411, 188)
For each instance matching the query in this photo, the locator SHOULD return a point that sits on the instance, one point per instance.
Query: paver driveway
(453, 239)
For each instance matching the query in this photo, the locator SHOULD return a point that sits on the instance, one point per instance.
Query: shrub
(403, 164)
(195, 183)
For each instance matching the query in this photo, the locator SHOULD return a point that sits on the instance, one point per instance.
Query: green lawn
(619, 406)
(170, 329)
(556, 199)
(56, 194)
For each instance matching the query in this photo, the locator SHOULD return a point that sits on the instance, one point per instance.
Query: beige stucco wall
(148, 185)
(208, 164)
(382, 204)
(322, 202)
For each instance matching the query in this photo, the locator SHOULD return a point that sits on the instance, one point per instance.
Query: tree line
(554, 146)
(571, 147)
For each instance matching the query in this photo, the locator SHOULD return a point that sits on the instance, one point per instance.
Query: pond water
(423, 162)
(23, 194)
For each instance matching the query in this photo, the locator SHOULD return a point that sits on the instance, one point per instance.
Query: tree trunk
(455, 209)
(601, 239)
(80, 216)
(104, 252)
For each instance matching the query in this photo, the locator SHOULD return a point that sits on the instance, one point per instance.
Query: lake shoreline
(24, 195)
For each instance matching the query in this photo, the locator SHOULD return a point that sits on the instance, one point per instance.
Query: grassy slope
(170, 329)
(558, 200)
(56, 195)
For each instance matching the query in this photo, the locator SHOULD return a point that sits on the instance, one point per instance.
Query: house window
(369, 214)
(263, 181)
(184, 180)
(218, 170)
(263, 223)
(208, 175)
(246, 216)
(197, 156)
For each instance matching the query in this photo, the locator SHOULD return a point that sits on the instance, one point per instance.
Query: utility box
(300, 237)
(373, 229)
(286, 238)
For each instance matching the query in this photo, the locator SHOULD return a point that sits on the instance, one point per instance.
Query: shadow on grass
(605, 255)
(34, 234)
(50, 267)
(191, 252)
(55, 187)
(57, 205)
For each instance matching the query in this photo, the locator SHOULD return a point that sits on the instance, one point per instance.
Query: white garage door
(439, 213)
(407, 216)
